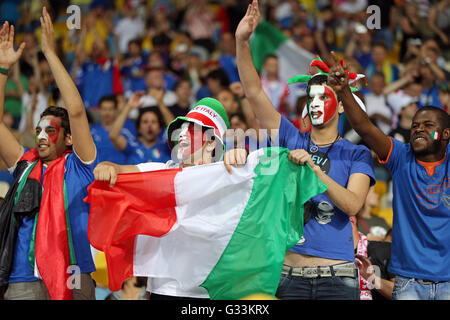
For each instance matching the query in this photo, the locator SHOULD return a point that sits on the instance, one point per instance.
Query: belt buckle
(310, 273)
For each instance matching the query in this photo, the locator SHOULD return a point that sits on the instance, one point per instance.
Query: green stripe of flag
(266, 229)
(266, 40)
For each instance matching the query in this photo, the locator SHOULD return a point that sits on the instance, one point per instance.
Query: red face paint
(49, 130)
(322, 104)
(191, 139)
(330, 104)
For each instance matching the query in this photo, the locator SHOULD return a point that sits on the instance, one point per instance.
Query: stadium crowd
(140, 64)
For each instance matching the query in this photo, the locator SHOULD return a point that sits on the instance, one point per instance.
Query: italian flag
(202, 226)
(267, 39)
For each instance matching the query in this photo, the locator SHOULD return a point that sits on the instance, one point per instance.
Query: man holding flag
(321, 265)
(43, 220)
(189, 225)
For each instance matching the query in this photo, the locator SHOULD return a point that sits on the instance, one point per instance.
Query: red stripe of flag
(139, 203)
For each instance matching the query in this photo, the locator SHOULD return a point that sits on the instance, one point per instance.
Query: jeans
(413, 289)
(325, 288)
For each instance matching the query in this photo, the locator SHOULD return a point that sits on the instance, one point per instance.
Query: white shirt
(128, 29)
(376, 104)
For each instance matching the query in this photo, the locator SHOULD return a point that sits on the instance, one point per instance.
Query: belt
(339, 270)
(428, 281)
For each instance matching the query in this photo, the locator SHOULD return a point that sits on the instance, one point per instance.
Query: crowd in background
(140, 64)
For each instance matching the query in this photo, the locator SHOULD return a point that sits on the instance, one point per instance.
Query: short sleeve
(395, 155)
(362, 163)
(288, 136)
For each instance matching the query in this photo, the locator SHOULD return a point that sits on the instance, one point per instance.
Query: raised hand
(8, 56)
(135, 100)
(249, 22)
(48, 38)
(337, 78)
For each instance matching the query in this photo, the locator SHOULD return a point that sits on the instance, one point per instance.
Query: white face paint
(317, 106)
(43, 124)
(184, 142)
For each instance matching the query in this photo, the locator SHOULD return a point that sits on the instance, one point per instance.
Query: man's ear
(68, 140)
(340, 107)
(446, 134)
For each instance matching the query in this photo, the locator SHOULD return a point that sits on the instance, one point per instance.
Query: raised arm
(118, 140)
(10, 149)
(259, 102)
(83, 144)
(360, 122)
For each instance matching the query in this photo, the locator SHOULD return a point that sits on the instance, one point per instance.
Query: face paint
(48, 125)
(435, 135)
(321, 105)
(190, 140)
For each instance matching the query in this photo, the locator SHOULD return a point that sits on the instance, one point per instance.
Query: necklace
(315, 147)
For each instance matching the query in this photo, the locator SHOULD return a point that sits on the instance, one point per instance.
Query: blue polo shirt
(106, 151)
(77, 176)
(421, 225)
(328, 234)
(137, 152)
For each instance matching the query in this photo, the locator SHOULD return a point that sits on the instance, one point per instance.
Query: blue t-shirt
(94, 82)
(421, 225)
(105, 148)
(328, 234)
(77, 176)
(137, 152)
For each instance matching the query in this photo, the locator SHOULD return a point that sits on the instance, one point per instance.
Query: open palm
(8, 56)
(248, 23)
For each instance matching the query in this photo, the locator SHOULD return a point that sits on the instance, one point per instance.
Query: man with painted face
(43, 220)
(420, 256)
(194, 139)
(321, 265)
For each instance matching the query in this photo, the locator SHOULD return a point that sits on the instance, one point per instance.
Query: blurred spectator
(108, 106)
(216, 81)
(96, 75)
(228, 100)
(325, 32)
(360, 45)
(388, 22)
(154, 80)
(183, 91)
(360, 245)
(156, 61)
(276, 89)
(133, 68)
(375, 101)
(227, 58)
(439, 22)
(380, 63)
(444, 97)
(199, 20)
(129, 27)
(16, 85)
(150, 145)
(375, 228)
(378, 256)
(405, 106)
(431, 76)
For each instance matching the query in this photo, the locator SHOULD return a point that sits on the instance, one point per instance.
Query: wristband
(4, 71)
